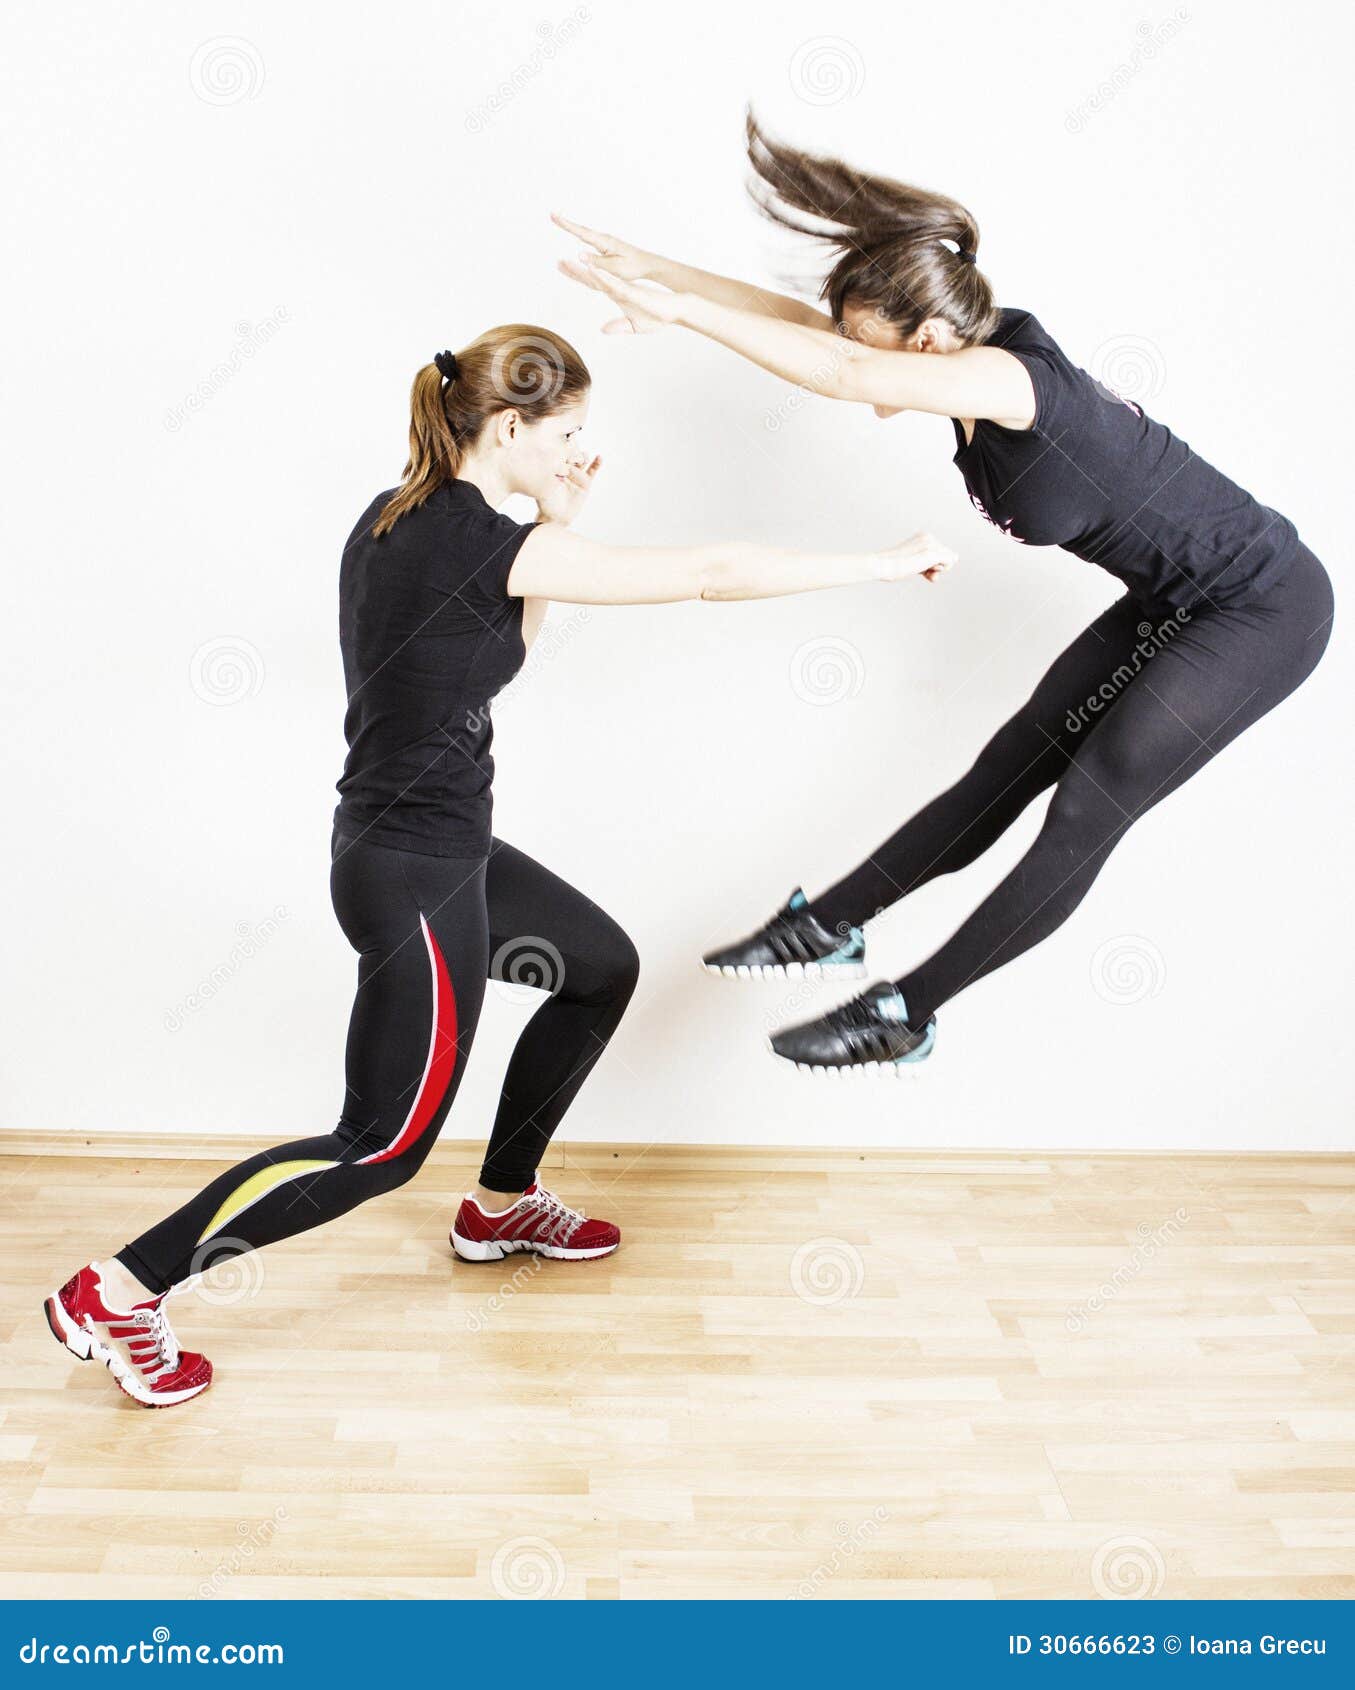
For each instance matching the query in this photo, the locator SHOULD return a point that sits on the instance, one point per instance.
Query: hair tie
(965, 256)
(447, 365)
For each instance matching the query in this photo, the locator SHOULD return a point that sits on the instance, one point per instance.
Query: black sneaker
(870, 1031)
(796, 944)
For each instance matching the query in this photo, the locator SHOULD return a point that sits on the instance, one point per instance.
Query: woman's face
(870, 327)
(866, 324)
(542, 451)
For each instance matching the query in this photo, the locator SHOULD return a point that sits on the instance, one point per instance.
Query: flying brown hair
(888, 237)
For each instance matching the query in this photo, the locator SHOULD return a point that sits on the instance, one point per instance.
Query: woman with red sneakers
(439, 597)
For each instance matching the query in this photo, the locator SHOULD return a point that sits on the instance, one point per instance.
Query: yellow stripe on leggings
(257, 1186)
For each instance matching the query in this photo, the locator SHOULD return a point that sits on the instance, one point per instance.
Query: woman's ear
(934, 334)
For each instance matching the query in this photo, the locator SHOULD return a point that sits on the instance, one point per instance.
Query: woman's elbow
(722, 572)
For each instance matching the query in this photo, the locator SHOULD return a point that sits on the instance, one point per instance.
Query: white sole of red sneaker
(491, 1250)
(84, 1346)
(65, 1331)
(790, 971)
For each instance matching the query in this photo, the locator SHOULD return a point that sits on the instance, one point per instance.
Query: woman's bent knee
(607, 976)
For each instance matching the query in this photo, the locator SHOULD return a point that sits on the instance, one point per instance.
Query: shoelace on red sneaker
(154, 1329)
(561, 1221)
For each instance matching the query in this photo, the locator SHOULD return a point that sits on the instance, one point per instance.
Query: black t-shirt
(429, 635)
(1107, 483)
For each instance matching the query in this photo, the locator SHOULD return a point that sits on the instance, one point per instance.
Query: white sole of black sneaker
(854, 1068)
(788, 971)
(819, 1069)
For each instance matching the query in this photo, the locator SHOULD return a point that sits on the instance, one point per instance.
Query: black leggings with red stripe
(429, 932)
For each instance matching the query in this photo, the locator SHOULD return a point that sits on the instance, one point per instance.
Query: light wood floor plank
(809, 1374)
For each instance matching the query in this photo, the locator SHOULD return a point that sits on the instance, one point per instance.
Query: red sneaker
(538, 1221)
(135, 1345)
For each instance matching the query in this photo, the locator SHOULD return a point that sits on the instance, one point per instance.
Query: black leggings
(429, 932)
(1135, 706)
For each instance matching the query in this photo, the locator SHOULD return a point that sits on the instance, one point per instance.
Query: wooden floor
(804, 1375)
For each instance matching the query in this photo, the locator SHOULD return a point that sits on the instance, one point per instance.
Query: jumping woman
(439, 597)
(1226, 611)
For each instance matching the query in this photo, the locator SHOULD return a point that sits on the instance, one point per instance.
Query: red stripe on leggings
(437, 1073)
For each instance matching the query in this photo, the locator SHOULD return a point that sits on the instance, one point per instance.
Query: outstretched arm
(633, 263)
(556, 563)
(979, 381)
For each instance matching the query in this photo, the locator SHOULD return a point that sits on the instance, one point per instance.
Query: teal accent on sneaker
(922, 1051)
(891, 1007)
(851, 951)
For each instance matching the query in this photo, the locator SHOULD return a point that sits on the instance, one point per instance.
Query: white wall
(1163, 187)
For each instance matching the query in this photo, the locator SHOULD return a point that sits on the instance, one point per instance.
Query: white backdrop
(236, 230)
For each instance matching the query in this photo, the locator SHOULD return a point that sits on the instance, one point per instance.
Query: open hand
(646, 309)
(615, 256)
